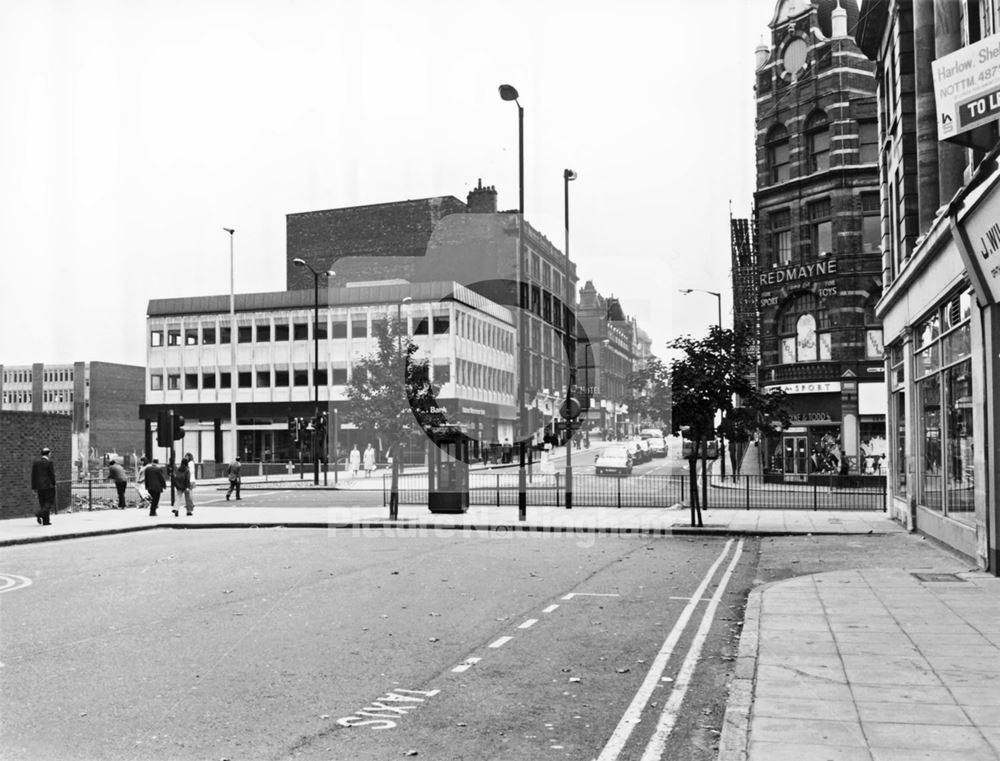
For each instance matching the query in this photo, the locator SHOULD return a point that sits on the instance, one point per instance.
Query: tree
(650, 387)
(711, 373)
(391, 394)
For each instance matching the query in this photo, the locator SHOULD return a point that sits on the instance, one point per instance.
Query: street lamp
(329, 273)
(234, 444)
(568, 176)
(717, 295)
(508, 92)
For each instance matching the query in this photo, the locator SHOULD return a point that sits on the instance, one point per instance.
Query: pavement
(872, 664)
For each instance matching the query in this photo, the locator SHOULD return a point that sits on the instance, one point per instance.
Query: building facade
(442, 238)
(940, 201)
(818, 258)
(468, 340)
(102, 398)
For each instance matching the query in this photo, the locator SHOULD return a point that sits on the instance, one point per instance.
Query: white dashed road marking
(501, 642)
(466, 665)
(571, 595)
(528, 624)
(550, 608)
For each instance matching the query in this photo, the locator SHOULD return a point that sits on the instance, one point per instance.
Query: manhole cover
(937, 577)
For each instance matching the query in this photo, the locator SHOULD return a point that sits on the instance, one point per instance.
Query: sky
(134, 131)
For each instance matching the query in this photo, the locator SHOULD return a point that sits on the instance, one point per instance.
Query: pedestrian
(140, 481)
(116, 473)
(369, 460)
(354, 461)
(183, 483)
(43, 481)
(505, 457)
(155, 484)
(233, 472)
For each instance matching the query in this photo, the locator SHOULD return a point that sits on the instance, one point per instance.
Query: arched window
(817, 142)
(803, 330)
(777, 154)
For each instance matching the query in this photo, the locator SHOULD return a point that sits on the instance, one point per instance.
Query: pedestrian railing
(724, 492)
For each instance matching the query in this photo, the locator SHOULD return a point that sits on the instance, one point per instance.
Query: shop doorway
(795, 458)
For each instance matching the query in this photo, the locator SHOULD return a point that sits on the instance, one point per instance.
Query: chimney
(839, 20)
(761, 53)
(482, 200)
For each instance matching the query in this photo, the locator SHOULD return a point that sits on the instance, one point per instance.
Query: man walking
(155, 484)
(117, 473)
(182, 483)
(233, 471)
(43, 481)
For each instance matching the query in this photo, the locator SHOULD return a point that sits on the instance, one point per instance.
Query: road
(282, 643)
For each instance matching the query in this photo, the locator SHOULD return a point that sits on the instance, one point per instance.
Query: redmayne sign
(801, 272)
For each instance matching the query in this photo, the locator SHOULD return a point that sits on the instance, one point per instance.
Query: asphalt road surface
(279, 643)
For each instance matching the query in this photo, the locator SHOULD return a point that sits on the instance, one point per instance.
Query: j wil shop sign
(976, 229)
(967, 87)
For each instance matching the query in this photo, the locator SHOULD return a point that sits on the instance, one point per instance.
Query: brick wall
(22, 436)
(116, 391)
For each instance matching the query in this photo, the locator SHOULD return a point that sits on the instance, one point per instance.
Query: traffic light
(163, 432)
(178, 426)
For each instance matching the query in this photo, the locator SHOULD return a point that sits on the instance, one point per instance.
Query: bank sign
(967, 87)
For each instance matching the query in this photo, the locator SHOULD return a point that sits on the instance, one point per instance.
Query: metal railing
(845, 493)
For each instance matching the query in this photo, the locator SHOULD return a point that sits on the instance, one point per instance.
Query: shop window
(777, 153)
(156, 382)
(281, 331)
(208, 336)
(191, 337)
(820, 228)
(818, 142)
(780, 233)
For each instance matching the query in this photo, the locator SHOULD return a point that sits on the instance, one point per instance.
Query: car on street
(657, 446)
(651, 433)
(616, 460)
(639, 452)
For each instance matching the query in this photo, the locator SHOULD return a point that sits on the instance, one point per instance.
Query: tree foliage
(650, 387)
(390, 390)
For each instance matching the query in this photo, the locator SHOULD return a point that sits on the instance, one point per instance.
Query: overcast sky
(134, 131)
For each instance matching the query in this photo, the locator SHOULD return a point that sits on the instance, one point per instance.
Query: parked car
(617, 459)
(657, 446)
(651, 433)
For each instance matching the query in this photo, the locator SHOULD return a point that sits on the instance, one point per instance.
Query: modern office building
(940, 199)
(102, 398)
(442, 238)
(818, 219)
(468, 340)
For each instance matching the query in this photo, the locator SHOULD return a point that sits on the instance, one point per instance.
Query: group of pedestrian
(355, 460)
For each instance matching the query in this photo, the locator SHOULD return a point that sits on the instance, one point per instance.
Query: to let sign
(967, 87)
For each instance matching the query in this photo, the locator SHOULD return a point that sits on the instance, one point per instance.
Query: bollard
(747, 479)
(618, 483)
(90, 493)
(558, 501)
(498, 490)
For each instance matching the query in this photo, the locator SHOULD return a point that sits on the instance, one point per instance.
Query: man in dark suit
(43, 481)
(155, 483)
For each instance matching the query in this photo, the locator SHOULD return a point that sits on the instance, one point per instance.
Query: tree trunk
(394, 493)
(704, 479)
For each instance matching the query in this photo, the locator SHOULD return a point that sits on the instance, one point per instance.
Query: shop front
(811, 444)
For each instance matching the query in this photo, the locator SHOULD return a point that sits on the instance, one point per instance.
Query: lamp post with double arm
(571, 407)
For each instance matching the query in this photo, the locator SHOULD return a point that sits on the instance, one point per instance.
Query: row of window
(549, 276)
(17, 376)
(816, 138)
(17, 397)
(819, 229)
(484, 333)
(480, 376)
(266, 379)
(299, 331)
(803, 328)
(48, 376)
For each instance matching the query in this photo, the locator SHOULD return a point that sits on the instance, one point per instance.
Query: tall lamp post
(718, 300)
(329, 273)
(568, 176)
(396, 448)
(508, 92)
(233, 439)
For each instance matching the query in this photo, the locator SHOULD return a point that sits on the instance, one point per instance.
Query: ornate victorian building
(819, 277)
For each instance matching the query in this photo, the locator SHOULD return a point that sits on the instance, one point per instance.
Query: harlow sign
(967, 87)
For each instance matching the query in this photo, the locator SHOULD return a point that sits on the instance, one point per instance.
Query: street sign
(570, 409)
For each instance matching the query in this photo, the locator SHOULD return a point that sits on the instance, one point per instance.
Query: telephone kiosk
(448, 471)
